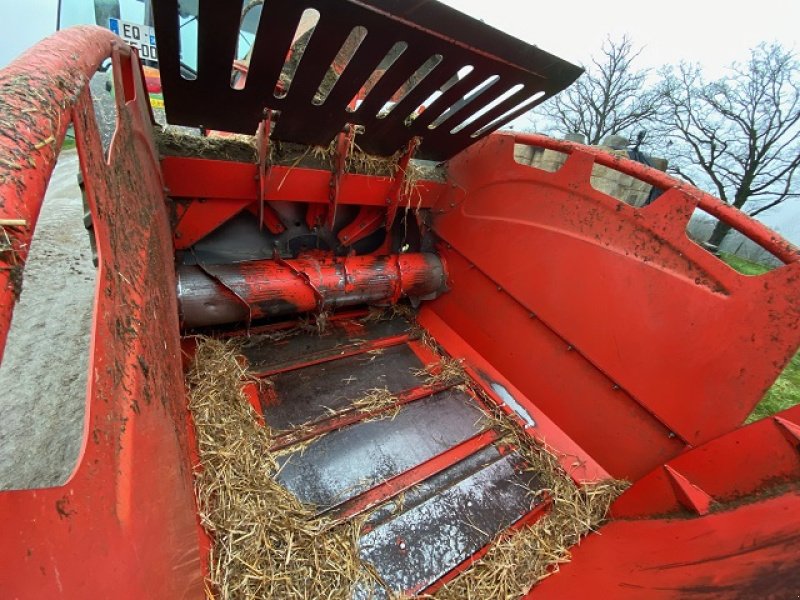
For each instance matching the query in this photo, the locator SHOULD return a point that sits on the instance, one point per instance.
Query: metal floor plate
(304, 395)
(429, 539)
(345, 463)
(433, 484)
(266, 355)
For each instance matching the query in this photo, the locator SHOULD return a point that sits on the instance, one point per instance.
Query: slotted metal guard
(514, 76)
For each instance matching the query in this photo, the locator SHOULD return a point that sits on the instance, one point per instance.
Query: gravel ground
(43, 374)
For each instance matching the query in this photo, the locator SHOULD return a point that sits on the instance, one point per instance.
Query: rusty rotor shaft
(221, 294)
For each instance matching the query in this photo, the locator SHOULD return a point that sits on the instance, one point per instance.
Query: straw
(516, 561)
(267, 544)
(232, 147)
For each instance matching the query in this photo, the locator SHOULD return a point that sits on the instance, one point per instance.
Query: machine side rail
(773, 243)
(37, 94)
(124, 524)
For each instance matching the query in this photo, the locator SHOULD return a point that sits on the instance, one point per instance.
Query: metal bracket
(266, 214)
(344, 142)
(790, 431)
(368, 220)
(688, 494)
(399, 182)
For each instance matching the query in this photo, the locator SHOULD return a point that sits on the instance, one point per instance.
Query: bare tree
(740, 134)
(611, 97)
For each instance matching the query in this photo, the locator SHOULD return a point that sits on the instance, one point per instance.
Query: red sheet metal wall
(125, 523)
(637, 342)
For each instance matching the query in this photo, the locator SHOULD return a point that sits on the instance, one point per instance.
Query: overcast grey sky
(713, 33)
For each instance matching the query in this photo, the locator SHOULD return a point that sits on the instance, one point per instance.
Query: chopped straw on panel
(266, 544)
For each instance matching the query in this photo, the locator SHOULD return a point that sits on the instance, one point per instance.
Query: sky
(711, 33)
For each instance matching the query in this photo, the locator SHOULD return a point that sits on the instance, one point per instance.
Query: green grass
(785, 392)
(742, 265)
(69, 143)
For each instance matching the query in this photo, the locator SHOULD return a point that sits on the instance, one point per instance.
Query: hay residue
(359, 161)
(389, 313)
(231, 147)
(446, 371)
(266, 543)
(376, 402)
(316, 323)
(517, 561)
(290, 154)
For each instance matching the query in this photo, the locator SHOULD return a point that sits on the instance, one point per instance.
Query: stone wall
(636, 193)
(609, 181)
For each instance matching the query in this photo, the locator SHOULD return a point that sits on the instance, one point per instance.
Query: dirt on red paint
(43, 374)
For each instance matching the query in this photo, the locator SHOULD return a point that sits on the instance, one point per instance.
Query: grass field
(786, 390)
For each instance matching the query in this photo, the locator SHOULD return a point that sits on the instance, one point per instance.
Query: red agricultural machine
(599, 328)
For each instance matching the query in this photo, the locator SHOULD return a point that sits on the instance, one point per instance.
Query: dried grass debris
(269, 545)
(517, 561)
(316, 323)
(232, 147)
(447, 371)
(389, 313)
(266, 543)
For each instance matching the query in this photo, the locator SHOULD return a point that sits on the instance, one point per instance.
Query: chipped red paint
(124, 525)
(221, 294)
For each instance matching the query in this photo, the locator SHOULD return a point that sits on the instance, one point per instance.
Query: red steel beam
(201, 217)
(353, 349)
(205, 178)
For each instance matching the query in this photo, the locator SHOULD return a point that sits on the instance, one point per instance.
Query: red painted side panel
(686, 344)
(614, 430)
(204, 178)
(124, 525)
(748, 552)
(735, 465)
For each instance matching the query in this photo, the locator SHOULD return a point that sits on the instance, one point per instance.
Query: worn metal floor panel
(265, 354)
(429, 474)
(347, 462)
(427, 540)
(432, 486)
(306, 394)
